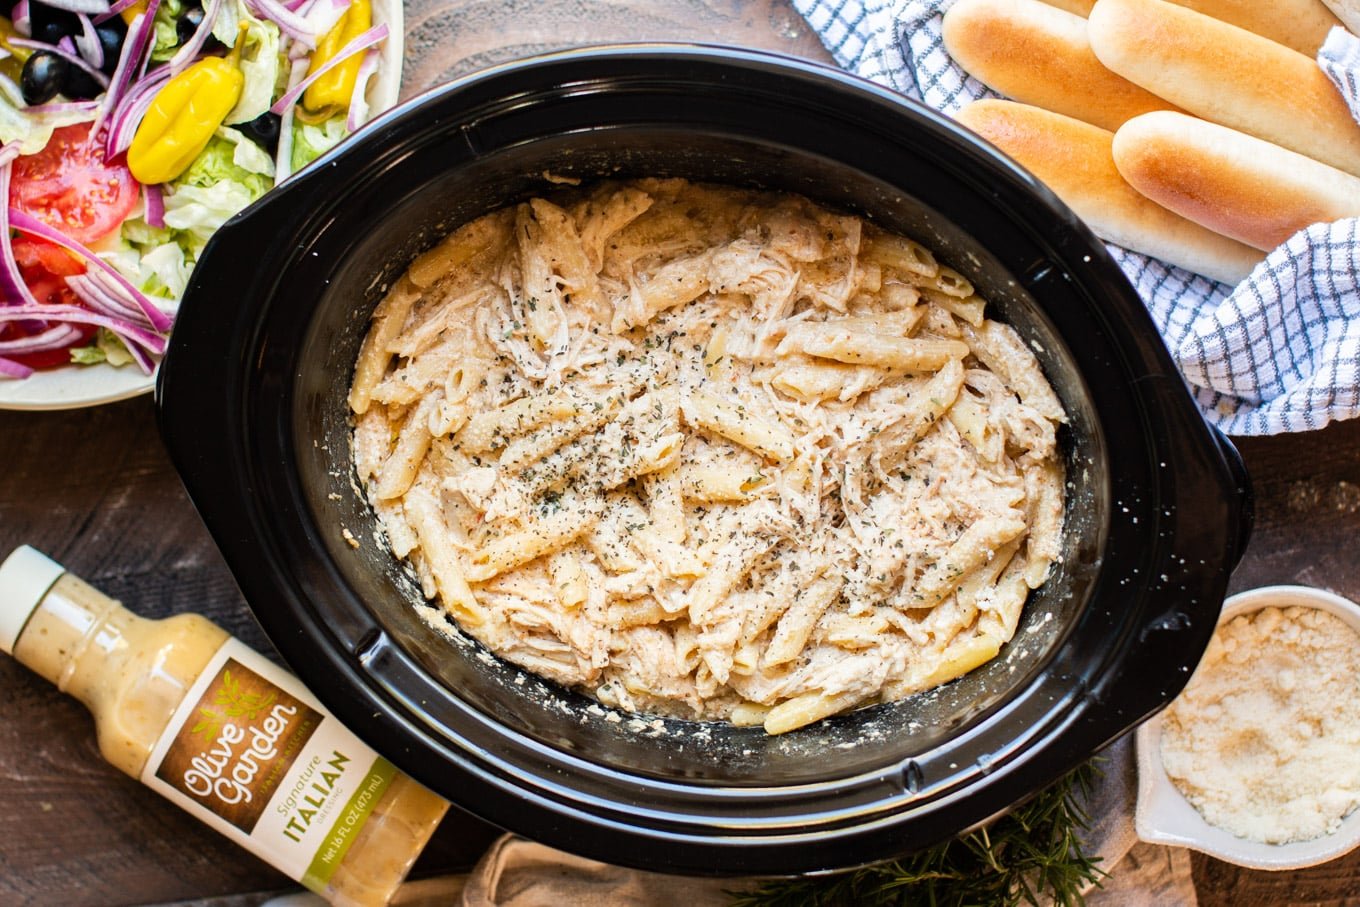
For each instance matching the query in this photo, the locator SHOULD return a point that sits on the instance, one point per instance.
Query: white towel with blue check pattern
(1278, 353)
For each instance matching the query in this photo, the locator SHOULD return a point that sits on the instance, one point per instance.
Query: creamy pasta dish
(706, 452)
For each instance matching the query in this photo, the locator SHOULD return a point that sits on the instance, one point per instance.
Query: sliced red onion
(186, 54)
(11, 281)
(289, 22)
(11, 369)
(99, 299)
(19, 17)
(54, 338)
(69, 56)
(358, 102)
(155, 206)
(88, 42)
(132, 106)
(113, 10)
(90, 7)
(65, 43)
(154, 343)
(142, 359)
(136, 45)
(113, 295)
(4, 54)
(123, 125)
(62, 108)
(103, 296)
(31, 225)
(375, 35)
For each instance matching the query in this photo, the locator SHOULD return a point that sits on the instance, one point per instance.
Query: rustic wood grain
(1307, 524)
(448, 38)
(95, 490)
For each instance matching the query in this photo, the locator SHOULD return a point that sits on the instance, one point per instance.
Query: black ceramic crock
(252, 393)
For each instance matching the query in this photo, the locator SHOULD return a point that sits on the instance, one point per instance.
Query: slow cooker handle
(1246, 497)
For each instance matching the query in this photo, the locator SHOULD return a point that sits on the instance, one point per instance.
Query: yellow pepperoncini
(13, 65)
(331, 93)
(185, 114)
(133, 11)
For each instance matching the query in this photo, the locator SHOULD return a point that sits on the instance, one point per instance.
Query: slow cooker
(252, 406)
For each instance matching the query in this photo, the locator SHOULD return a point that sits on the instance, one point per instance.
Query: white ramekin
(1164, 816)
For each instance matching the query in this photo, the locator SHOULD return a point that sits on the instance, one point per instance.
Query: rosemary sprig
(1033, 852)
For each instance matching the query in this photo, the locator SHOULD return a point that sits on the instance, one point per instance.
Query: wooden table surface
(95, 490)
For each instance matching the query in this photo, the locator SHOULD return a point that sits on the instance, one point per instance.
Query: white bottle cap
(25, 577)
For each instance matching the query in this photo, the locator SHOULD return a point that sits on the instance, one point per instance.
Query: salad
(130, 131)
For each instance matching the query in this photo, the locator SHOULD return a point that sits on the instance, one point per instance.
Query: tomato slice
(44, 267)
(70, 186)
(40, 258)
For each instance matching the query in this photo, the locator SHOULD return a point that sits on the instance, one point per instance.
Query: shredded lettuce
(231, 173)
(32, 132)
(157, 260)
(201, 210)
(260, 64)
(107, 347)
(167, 38)
(227, 27)
(231, 156)
(311, 141)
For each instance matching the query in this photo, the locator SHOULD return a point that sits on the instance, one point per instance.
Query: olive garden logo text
(244, 735)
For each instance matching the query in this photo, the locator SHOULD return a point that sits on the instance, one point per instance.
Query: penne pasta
(828, 340)
(709, 452)
(711, 482)
(734, 422)
(387, 322)
(795, 626)
(805, 709)
(960, 657)
(494, 430)
(971, 550)
(545, 536)
(665, 503)
(444, 562)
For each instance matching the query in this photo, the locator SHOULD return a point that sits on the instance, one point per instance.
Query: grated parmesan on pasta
(709, 452)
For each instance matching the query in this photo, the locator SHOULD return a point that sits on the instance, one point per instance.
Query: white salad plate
(1164, 816)
(76, 386)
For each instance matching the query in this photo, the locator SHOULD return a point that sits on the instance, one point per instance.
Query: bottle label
(253, 754)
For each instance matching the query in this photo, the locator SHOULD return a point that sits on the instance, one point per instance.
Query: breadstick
(1232, 183)
(1075, 160)
(1038, 54)
(1075, 7)
(1227, 75)
(1298, 24)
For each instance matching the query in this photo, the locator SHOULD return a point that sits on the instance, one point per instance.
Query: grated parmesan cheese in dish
(1265, 740)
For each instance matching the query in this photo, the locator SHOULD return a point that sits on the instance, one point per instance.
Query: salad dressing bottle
(220, 730)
